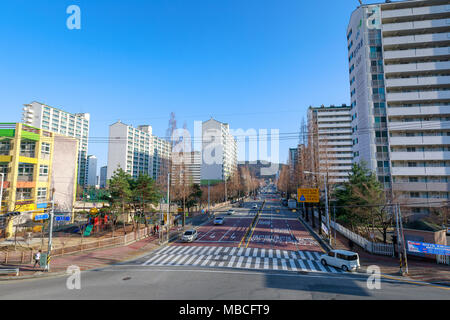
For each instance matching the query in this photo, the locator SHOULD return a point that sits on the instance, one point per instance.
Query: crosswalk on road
(240, 258)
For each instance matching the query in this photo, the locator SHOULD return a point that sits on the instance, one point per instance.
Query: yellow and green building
(33, 163)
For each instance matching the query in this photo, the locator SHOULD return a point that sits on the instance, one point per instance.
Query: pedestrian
(157, 228)
(37, 258)
(154, 229)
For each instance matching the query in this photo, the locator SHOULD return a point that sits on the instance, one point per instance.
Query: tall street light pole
(326, 202)
(168, 205)
(1, 190)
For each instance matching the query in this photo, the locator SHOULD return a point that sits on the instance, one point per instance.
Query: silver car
(189, 235)
(218, 220)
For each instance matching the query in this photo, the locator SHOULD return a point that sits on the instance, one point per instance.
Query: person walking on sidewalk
(37, 258)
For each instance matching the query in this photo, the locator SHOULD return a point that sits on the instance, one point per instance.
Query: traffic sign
(308, 195)
(41, 217)
(62, 218)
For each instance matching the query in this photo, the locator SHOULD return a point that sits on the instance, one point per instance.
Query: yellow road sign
(308, 195)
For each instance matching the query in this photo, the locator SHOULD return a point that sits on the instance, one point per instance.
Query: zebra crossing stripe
(226, 249)
(190, 260)
(266, 263)
(293, 255)
(210, 251)
(206, 260)
(286, 255)
(308, 254)
(240, 251)
(302, 265)
(200, 257)
(218, 251)
(162, 257)
(317, 255)
(263, 253)
(150, 260)
(311, 265)
(230, 264)
(270, 253)
(190, 250)
(176, 250)
(202, 252)
(255, 252)
(257, 265)
(321, 266)
(292, 263)
(302, 255)
(283, 264)
(247, 252)
(318, 266)
(183, 251)
(163, 250)
(239, 263)
(232, 251)
(172, 262)
(249, 263)
(181, 262)
(275, 264)
(278, 254)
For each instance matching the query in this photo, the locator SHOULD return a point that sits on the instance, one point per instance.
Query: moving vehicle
(346, 260)
(230, 212)
(218, 220)
(189, 235)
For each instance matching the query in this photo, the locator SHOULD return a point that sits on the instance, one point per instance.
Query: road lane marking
(150, 260)
(190, 251)
(206, 260)
(239, 263)
(263, 253)
(302, 255)
(266, 263)
(257, 263)
(232, 251)
(270, 253)
(283, 264)
(160, 258)
(249, 262)
(278, 254)
(286, 255)
(198, 260)
(247, 252)
(190, 260)
(240, 251)
(275, 264)
(255, 252)
(292, 263)
(230, 264)
(302, 265)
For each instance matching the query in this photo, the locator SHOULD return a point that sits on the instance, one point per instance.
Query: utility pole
(334, 218)
(168, 205)
(50, 232)
(1, 190)
(398, 238)
(403, 240)
(208, 198)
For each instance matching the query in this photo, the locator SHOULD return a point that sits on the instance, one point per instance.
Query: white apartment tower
(58, 121)
(91, 169)
(399, 66)
(219, 151)
(331, 130)
(136, 151)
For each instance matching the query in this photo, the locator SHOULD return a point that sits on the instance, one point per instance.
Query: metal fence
(26, 257)
(443, 259)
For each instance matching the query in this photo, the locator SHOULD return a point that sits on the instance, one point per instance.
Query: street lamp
(1, 190)
(326, 201)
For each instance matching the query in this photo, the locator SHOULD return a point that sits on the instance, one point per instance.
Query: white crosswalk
(244, 258)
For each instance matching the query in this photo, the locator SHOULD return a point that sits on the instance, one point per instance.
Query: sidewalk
(101, 257)
(427, 271)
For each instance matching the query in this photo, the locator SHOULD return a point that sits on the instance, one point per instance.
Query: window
(42, 194)
(45, 148)
(4, 148)
(4, 168)
(27, 148)
(25, 170)
(23, 193)
(414, 195)
(43, 170)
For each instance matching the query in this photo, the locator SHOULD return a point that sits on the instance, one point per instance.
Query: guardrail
(10, 271)
(443, 259)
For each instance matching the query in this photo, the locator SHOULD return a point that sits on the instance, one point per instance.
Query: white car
(189, 235)
(346, 260)
(218, 220)
(255, 206)
(230, 212)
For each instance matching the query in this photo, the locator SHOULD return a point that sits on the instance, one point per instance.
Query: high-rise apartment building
(187, 167)
(331, 131)
(102, 179)
(91, 171)
(137, 151)
(58, 121)
(399, 66)
(219, 151)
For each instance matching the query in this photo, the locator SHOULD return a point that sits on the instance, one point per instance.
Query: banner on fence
(429, 248)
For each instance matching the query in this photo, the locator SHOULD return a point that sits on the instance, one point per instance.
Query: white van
(346, 260)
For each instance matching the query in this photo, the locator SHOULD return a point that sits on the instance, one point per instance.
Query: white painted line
(190, 260)
(249, 262)
(316, 255)
(283, 264)
(293, 255)
(204, 251)
(255, 252)
(286, 254)
(163, 250)
(176, 250)
(266, 263)
(218, 251)
(181, 262)
(211, 250)
(172, 248)
(198, 260)
(226, 249)
(230, 264)
(309, 256)
(162, 257)
(263, 253)
(232, 251)
(302, 255)
(322, 267)
(257, 263)
(239, 263)
(183, 251)
(197, 250)
(150, 260)
(270, 253)
(275, 264)
(310, 265)
(292, 263)
(206, 260)
(240, 251)
(172, 262)
(190, 250)
(302, 265)
(278, 254)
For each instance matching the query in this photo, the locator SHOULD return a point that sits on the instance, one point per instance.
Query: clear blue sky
(251, 63)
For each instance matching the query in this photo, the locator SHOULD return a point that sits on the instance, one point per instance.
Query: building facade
(33, 162)
(137, 151)
(399, 66)
(58, 121)
(188, 163)
(219, 151)
(331, 130)
(102, 179)
(91, 171)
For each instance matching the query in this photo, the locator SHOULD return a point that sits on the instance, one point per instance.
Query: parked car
(218, 220)
(189, 235)
(255, 206)
(346, 260)
(230, 212)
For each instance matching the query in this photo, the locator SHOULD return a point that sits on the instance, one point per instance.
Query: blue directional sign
(41, 217)
(429, 248)
(62, 218)
(302, 198)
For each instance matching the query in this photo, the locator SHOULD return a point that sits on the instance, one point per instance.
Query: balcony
(417, 96)
(414, 40)
(417, 67)
(419, 11)
(421, 171)
(389, 28)
(418, 125)
(416, 53)
(418, 141)
(420, 155)
(414, 111)
(422, 186)
(418, 81)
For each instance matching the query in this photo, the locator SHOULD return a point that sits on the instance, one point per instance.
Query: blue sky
(251, 63)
